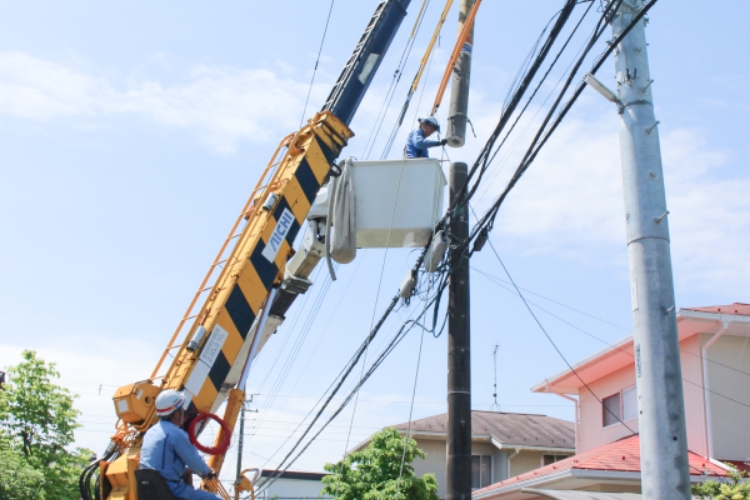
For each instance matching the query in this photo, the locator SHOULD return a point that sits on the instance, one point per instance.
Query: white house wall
(433, 463)
(692, 388)
(730, 420)
(294, 488)
(593, 433)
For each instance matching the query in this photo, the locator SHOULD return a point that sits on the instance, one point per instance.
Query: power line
(699, 356)
(288, 461)
(554, 345)
(526, 303)
(317, 62)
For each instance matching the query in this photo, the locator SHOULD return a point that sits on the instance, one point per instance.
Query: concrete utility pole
(458, 445)
(241, 440)
(456, 133)
(661, 415)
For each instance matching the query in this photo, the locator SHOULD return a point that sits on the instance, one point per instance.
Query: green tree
(373, 473)
(37, 420)
(18, 480)
(738, 489)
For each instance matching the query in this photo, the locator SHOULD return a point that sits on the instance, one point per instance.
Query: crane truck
(251, 284)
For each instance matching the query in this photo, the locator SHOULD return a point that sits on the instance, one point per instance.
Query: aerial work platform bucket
(398, 202)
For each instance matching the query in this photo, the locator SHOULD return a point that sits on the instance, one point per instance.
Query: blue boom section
(365, 60)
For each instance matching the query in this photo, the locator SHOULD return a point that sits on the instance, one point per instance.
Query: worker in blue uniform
(418, 143)
(168, 450)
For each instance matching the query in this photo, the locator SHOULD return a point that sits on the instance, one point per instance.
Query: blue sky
(132, 133)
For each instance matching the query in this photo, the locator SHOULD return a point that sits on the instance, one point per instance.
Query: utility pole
(457, 113)
(241, 440)
(661, 408)
(458, 445)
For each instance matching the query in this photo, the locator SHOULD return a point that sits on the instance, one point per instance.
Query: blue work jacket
(168, 450)
(416, 146)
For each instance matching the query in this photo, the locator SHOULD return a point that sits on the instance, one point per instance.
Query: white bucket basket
(398, 202)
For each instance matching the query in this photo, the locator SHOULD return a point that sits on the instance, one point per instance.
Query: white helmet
(169, 401)
(431, 121)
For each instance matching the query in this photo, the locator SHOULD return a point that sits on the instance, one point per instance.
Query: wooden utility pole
(458, 444)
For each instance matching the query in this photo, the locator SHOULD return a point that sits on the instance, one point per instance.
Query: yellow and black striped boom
(208, 371)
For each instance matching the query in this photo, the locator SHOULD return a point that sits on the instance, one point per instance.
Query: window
(621, 406)
(481, 471)
(611, 410)
(551, 459)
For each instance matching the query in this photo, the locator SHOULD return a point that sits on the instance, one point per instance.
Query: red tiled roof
(743, 466)
(621, 456)
(738, 309)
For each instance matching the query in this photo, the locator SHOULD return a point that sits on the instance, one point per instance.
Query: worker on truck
(168, 450)
(418, 143)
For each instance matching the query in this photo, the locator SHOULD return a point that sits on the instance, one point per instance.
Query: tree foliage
(373, 473)
(18, 480)
(37, 420)
(737, 489)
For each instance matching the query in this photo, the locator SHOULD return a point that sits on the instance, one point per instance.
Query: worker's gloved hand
(211, 475)
(444, 142)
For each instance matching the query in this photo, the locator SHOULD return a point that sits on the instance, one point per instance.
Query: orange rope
(468, 24)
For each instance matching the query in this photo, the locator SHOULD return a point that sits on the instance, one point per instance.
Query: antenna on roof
(495, 406)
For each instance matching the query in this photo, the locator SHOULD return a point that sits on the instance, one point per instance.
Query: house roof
(582, 495)
(504, 430)
(736, 309)
(294, 474)
(620, 456)
(690, 321)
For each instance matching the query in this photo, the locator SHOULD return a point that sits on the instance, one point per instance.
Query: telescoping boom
(252, 283)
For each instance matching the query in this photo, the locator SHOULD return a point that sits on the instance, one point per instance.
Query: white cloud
(225, 105)
(570, 202)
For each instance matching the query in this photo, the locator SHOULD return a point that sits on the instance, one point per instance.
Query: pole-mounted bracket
(651, 129)
(661, 217)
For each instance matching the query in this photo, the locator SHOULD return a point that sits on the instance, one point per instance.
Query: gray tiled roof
(510, 429)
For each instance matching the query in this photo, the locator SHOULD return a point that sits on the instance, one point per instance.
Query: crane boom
(256, 285)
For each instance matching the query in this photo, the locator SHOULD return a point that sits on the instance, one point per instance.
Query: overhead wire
(397, 338)
(296, 346)
(530, 99)
(561, 19)
(411, 406)
(554, 344)
(628, 353)
(317, 62)
(485, 223)
(425, 67)
(395, 80)
(565, 13)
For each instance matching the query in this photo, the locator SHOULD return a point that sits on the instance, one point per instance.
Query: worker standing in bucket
(418, 143)
(168, 450)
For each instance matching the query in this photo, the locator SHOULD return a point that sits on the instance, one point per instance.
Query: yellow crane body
(224, 328)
